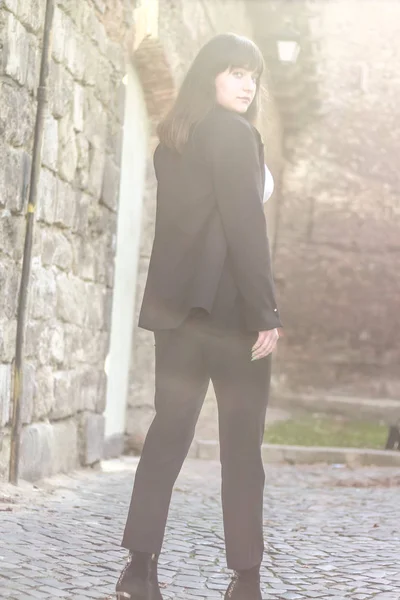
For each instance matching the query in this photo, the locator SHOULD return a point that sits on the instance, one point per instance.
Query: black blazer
(211, 247)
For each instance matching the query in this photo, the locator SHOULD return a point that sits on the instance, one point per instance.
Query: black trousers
(186, 359)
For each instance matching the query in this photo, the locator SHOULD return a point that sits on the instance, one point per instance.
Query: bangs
(241, 53)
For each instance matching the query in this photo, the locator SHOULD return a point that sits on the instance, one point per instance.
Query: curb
(309, 455)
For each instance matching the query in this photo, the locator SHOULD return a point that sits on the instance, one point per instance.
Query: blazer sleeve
(237, 184)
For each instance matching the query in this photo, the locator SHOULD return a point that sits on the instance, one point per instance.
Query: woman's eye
(240, 75)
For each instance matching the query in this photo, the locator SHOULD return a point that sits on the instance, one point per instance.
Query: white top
(269, 185)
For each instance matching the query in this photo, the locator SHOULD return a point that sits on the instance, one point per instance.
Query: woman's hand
(265, 344)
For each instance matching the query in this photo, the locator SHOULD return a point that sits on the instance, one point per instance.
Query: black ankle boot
(245, 585)
(138, 580)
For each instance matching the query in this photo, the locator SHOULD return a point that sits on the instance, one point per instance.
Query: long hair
(197, 95)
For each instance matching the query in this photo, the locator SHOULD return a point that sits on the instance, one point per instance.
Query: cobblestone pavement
(332, 533)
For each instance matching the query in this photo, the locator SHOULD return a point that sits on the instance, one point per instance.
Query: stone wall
(338, 243)
(72, 267)
(184, 26)
(71, 285)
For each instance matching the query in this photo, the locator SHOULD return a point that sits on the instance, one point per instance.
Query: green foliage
(327, 431)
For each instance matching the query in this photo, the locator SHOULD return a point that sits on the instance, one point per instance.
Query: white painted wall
(134, 151)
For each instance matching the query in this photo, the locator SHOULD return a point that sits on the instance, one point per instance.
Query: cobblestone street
(332, 533)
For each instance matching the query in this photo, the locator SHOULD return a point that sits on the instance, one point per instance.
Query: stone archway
(153, 70)
(156, 78)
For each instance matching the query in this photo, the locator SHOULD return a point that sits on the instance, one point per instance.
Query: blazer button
(275, 310)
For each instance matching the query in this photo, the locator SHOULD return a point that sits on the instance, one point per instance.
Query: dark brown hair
(197, 95)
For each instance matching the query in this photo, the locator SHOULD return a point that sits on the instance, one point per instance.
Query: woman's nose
(249, 84)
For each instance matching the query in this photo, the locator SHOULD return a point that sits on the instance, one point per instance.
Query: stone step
(307, 455)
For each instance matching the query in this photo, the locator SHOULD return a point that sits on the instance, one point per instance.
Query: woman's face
(235, 89)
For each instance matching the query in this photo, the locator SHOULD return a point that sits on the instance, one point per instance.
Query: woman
(209, 299)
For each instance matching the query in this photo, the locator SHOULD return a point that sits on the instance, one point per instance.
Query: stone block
(114, 140)
(73, 8)
(82, 203)
(8, 330)
(66, 395)
(110, 188)
(85, 259)
(65, 457)
(16, 50)
(59, 34)
(82, 165)
(207, 449)
(104, 81)
(17, 114)
(72, 299)
(56, 250)
(61, 86)
(12, 234)
(47, 449)
(117, 102)
(31, 14)
(37, 451)
(105, 261)
(9, 285)
(107, 308)
(100, 6)
(33, 68)
(91, 438)
(44, 393)
(65, 204)
(5, 394)
(57, 343)
(85, 346)
(50, 143)
(67, 150)
(47, 196)
(90, 62)
(44, 293)
(73, 49)
(10, 178)
(97, 33)
(115, 55)
(102, 222)
(113, 446)
(90, 388)
(37, 346)
(101, 400)
(83, 15)
(28, 392)
(4, 455)
(95, 306)
(78, 106)
(74, 351)
(97, 159)
(95, 120)
(11, 5)
(14, 187)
